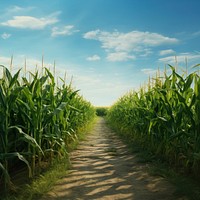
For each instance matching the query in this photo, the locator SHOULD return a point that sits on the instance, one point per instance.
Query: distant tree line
(101, 111)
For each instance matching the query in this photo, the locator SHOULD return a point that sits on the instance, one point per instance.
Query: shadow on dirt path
(102, 168)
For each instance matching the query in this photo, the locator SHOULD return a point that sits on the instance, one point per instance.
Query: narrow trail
(103, 169)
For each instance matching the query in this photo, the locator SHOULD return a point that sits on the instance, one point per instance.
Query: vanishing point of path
(104, 169)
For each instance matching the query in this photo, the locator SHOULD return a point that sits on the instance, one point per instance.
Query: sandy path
(102, 168)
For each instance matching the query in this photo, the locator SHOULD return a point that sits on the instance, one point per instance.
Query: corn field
(38, 119)
(164, 117)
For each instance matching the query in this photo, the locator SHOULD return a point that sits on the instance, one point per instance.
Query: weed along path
(103, 169)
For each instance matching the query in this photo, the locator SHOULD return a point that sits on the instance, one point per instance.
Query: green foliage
(43, 183)
(165, 118)
(38, 119)
(101, 111)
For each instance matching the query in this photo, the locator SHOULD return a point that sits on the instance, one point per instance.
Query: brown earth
(103, 168)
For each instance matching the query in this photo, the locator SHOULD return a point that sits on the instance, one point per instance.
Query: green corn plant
(164, 117)
(38, 120)
(9, 92)
(32, 99)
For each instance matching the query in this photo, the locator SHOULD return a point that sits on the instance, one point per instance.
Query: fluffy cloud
(167, 52)
(5, 35)
(29, 22)
(196, 33)
(66, 30)
(134, 41)
(181, 58)
(119, 56)
(92, 34)
(93, 58)
(5, 60)
(14, 9)
(131, 41)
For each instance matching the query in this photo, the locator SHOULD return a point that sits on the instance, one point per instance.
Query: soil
(104, 169)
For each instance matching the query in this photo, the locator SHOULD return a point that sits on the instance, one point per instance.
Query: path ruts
(103, 169)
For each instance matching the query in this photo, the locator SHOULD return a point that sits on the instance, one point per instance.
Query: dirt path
(102, 168)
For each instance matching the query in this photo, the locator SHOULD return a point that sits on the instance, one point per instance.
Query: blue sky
(109, 46)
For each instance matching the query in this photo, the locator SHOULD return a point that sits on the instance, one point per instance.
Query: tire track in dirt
(103, 169)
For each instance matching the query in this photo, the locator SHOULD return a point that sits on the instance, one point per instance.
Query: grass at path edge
(44, 183)
(185, 185)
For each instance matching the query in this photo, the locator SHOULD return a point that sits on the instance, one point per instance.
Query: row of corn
(164, 117)
(38, 119)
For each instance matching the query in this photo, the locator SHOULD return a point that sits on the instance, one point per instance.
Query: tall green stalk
(38, 119)
(165, 118)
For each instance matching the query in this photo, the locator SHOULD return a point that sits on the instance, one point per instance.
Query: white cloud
(181, 58)
(93, 58)
(145, 52)
(128, 41)
(14, 9)
(167, 52)
(29, 22)
(91, 34)
(134, 41)
(196, 33)
(66, 30)
(5, 60)
(119, 56)
(5, 35)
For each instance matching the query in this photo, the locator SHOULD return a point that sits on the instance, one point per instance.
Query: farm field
(100, 100)
(40, 120)
(164, 117)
